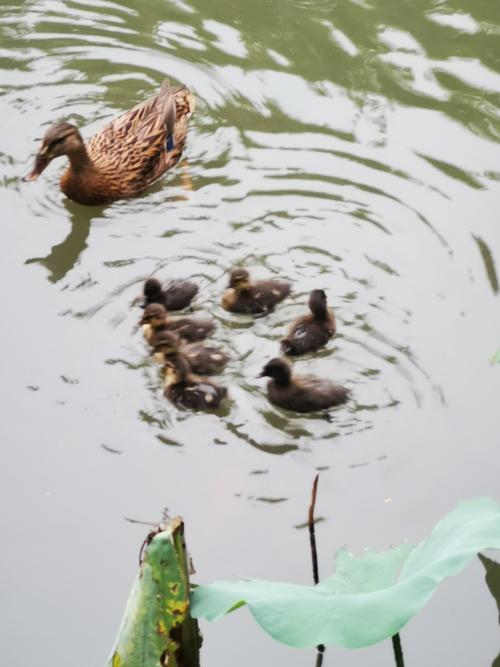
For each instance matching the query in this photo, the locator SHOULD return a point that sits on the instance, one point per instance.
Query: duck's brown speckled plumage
(127, 155)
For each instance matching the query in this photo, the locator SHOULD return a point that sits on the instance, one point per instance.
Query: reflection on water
(351, 147)
(63, 256)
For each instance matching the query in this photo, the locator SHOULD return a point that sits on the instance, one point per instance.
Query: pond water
(350, 146)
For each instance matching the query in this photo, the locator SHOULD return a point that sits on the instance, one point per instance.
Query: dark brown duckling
(302, 393)
(176, 295)
(155, 319)
(187, 390)
(202, 359)
(310, 332)
(253, 298)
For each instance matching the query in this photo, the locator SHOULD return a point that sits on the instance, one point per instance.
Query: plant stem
(312, 534)
(398, 651)
(314, 555)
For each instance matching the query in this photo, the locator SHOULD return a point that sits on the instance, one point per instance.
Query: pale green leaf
(367, 599)
(495, 359)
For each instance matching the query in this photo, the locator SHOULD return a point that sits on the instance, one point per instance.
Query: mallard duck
(202, 359)
(187, 390)
(176, 295)
(155, 319)
(253, 298)
(127, 155)
(302, 393)
(310, 332)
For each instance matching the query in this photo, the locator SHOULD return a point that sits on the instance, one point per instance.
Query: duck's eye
(56, 142)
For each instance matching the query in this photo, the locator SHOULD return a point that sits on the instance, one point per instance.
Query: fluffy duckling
(177, 295)
(303, 393)
(155, 319)
(253, 298)
(310, 332)
(189, 391)
(202, 359)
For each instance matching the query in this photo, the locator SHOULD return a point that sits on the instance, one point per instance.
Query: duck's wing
(142, 143)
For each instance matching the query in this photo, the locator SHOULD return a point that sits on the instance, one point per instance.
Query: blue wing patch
(170, 142)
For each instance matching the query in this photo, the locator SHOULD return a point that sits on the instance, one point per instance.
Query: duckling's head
(317, 303)
(60, 139)
(239, 279)
(279, 369)
(167, 343)
(153, 314)
(152, 288)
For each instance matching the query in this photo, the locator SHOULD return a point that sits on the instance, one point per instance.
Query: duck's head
(154, 314)
(239, 279)
(279, 369)
(60, 139)
(167, 343)
(318, 303)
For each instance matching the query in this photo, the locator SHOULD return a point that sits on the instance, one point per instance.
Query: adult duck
(127, 155)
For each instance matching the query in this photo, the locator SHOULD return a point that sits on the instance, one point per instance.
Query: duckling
(177, 295)
(253, 298)
(310, 332)
(303, 393)
(127, 155)
(155, 319)
(189, 391)
(202, 359)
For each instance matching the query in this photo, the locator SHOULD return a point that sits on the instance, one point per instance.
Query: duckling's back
(196, 395)
(260, 298)
(307, 335)
(307, 394)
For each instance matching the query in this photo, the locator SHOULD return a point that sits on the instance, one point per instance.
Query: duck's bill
(39, 166)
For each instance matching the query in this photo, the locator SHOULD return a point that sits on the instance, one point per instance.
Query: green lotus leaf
(156, 628)
(367, 599)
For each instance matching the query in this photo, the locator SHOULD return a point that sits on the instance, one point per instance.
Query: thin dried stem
(312, 534)
(314, 555)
